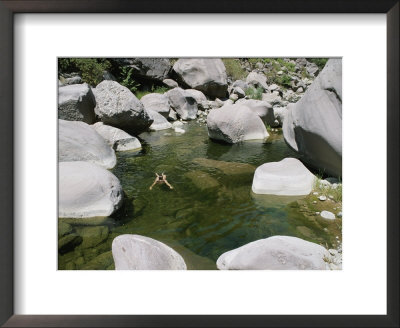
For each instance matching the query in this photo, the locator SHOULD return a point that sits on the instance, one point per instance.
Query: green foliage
(90, 69)
(234, 68)
(127, 80)
(254, 93)
(283, 80)
(154, 89)
(289, 66)
(320, 62)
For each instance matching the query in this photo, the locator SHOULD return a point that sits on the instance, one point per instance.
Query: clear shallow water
(210, 210)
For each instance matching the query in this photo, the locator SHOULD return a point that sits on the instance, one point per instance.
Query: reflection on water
(210, 210)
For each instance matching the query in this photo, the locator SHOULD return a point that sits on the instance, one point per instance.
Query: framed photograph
(186, 165)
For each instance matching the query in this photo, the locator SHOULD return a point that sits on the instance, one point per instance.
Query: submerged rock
(313, 126)
(134, 252)
(87, 190)
(235, 123)
(92, 236)
(202, 180)
(205, 74)
(116, 138)
(76, 103)
(117, 106)
(77, 141)
(228, 168)
(287, 177)
(275, 253)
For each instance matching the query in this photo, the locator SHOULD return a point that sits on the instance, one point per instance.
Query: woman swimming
(160, 179)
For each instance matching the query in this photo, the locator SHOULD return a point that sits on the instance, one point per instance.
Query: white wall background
(359, 289)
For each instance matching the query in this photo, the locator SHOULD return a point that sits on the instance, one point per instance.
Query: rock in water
(117, 106)
(183, 103)
(87, 190)
(261, 108)
(156, 102)
(207, 75)
(275, 253)
(328, 215)
(76, 103)
(77, 141)
(159, 121)
(235, 123)
(288, 177)
(116, 138)
(134, 252)
(313, 126)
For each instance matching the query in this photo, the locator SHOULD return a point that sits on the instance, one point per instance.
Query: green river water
(211, 209)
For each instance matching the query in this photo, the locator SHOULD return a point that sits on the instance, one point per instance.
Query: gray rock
(279, 114)
(134, 252)
(172, 116)
(240, 84)
(339, 215)
(154, 69)
(116, 138)
(207, 75)
(77, 141)
(117, 106)
(257, 80)
(72, 80)
(239, 92)
(156, 102)
(170, 83)
(322, 198)
(312, 69)
(76, 103)
(235, 123)
(261, 108)
(87, 190)
(233, 97)
(200, 98)
(288, 177)
(108, 76)
(275, 253)
(183, 103)
(272, 98)
(159, 121)
(328, 215)
(313, 126)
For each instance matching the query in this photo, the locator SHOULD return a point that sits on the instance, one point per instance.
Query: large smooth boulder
(205, 74)
(313, 126)
(117, 106)
(288, 177)
(257, 80)
(261, 108)
(116, 138)
(135, 252)
(156, 102)
(199, 96)
(159, 121)
(275, 253)
(235, 123)
(77, 141)
(153, 69)
(87, 190)
(76, 103)
(182, 103)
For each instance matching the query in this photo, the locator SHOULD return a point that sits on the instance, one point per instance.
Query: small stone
(179, 130)
(317, 213)
(315, 193)
(322, 198)
(339, 215)
(328, 215)
(330, 196)
(314, 202)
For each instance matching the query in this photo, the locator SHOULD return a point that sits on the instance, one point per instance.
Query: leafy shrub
(90, 69)
(254, 93)
(234, 68)
(125, 77)
(284, 80)
(154, 89)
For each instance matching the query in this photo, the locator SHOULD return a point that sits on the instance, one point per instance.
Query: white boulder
(87, 190)
(328, 215)
(288, 177)
(77, 141)
(117, 106)
(313, 126)
(182, 103)
(76, 103)
(135, 252)
(159, 121)
(257, 80)
(235, 123)
(261, 108)
(156, 102)
(116, 138)
(275, 253)
(205, 74)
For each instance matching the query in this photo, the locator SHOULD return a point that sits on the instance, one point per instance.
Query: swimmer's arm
(166, 182)
(155, 181)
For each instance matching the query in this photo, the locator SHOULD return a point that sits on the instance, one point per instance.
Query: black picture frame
(10, 7)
